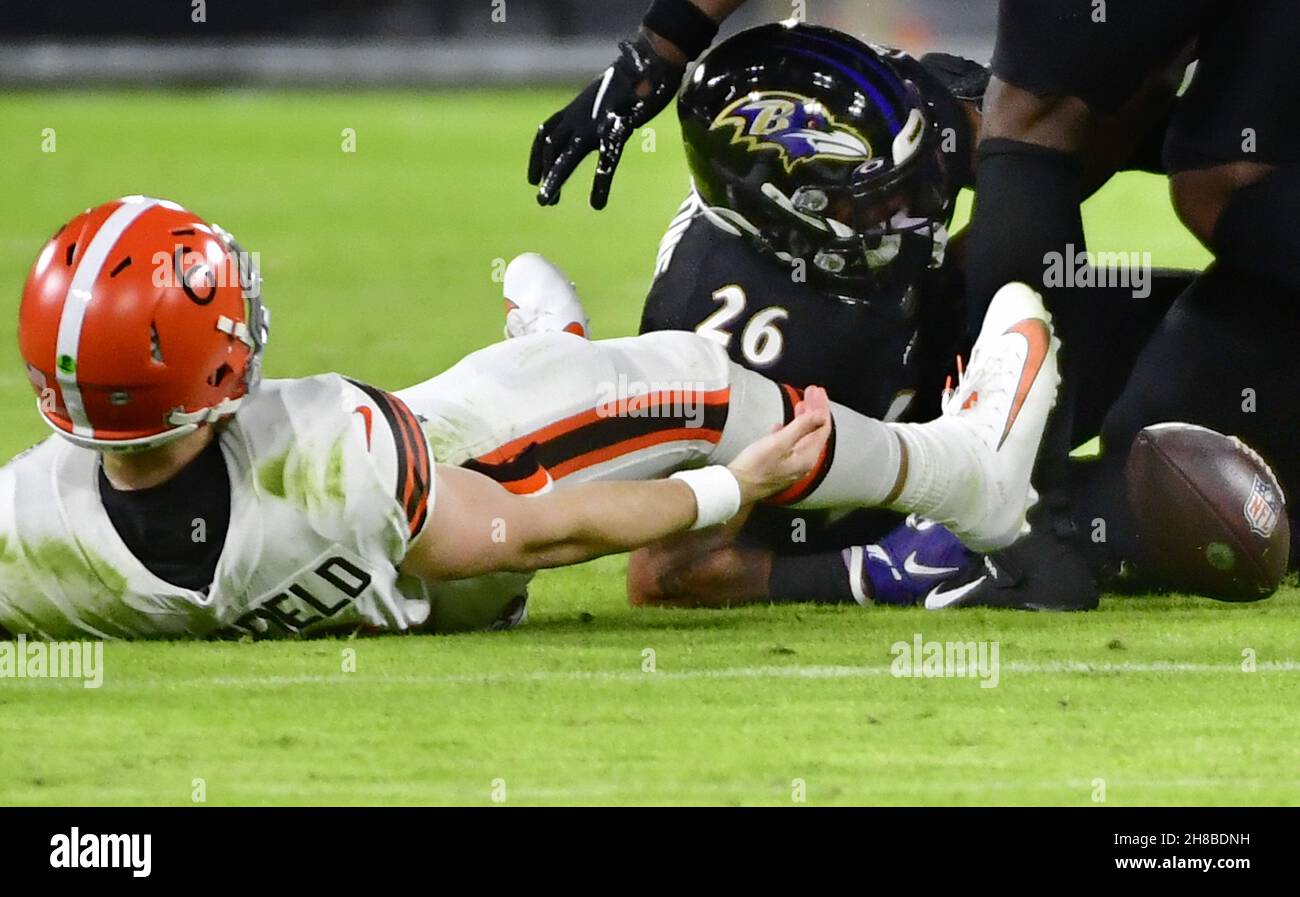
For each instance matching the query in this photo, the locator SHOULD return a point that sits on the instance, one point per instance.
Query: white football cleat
(999, 410)
(540, 298)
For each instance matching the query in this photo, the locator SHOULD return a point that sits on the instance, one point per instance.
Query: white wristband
(717, 494)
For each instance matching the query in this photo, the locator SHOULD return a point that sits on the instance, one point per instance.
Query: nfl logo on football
(1263, 508)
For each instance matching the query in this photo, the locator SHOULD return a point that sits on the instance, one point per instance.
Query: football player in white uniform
(181, 497)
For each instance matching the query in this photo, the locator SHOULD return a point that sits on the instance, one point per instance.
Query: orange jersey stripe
(626, 447)
(621, 409)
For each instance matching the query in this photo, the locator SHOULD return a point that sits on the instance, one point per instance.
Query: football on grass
(1211, 516)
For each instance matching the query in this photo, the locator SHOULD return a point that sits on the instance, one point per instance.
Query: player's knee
(1201, 194)
(1056, 122)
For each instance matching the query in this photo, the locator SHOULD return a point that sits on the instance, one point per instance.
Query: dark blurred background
(344, 42)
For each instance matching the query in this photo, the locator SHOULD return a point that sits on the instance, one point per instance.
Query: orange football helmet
(140, 322)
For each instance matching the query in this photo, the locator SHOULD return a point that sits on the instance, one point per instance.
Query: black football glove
(633, 90)
(965, 79)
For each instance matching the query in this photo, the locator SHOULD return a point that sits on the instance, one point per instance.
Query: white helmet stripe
(79, 295)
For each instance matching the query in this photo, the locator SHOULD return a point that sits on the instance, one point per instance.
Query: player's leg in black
(1111, 353)
(1234, 147)
(1096, 485)
(1223, 358)
(1061, 69)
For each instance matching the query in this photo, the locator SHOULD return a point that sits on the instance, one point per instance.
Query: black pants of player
(1223, 357)
(1243, 103)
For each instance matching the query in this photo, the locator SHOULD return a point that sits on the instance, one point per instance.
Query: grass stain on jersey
(271, 476)
(449, 442)
(76, 569)
(334, 474)
(298, 476)
(70, 563)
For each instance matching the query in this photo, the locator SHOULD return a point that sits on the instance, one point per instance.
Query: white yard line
(636, 676)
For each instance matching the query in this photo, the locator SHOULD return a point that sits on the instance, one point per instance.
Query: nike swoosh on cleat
(917, 569)
(938, 599)
(1039, 338)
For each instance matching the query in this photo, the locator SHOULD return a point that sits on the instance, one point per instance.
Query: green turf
(380, 264)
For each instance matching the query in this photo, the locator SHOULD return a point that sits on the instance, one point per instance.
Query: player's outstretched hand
(634, 89)
(788, 454)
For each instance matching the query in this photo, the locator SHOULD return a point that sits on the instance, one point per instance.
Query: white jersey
(329, 485)
(332, 480)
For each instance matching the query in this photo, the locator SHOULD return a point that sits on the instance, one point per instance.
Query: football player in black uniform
(1063, 69)
(741, 313)
(814, 247)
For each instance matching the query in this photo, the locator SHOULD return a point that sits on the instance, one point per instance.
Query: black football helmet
(812, 145)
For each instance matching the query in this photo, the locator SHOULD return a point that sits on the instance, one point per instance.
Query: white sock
(864, 469)
(939, 473)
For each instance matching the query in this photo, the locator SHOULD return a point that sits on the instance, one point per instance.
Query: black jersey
(886, 360)
(883, 356)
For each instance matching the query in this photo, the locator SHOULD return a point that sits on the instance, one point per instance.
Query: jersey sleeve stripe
(676, 230)
(790, 397)
(521, 475)
(421, 468)
(414, 466)
(805, 487)
(616, 429)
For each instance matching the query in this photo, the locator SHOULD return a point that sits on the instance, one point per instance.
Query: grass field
(379, 263)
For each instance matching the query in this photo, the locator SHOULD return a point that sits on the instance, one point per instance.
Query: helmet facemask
(256, 314)
(253, 331)
(868, 237)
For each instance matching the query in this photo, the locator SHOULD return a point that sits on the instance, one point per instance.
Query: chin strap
(205, 415)
(182, 424)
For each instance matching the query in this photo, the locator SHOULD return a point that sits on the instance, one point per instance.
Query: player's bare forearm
(596, 519)
(478, 527)
(719, 9)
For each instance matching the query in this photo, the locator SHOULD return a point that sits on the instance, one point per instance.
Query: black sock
(1026, 206)
(1259, 230)
(810, 578)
